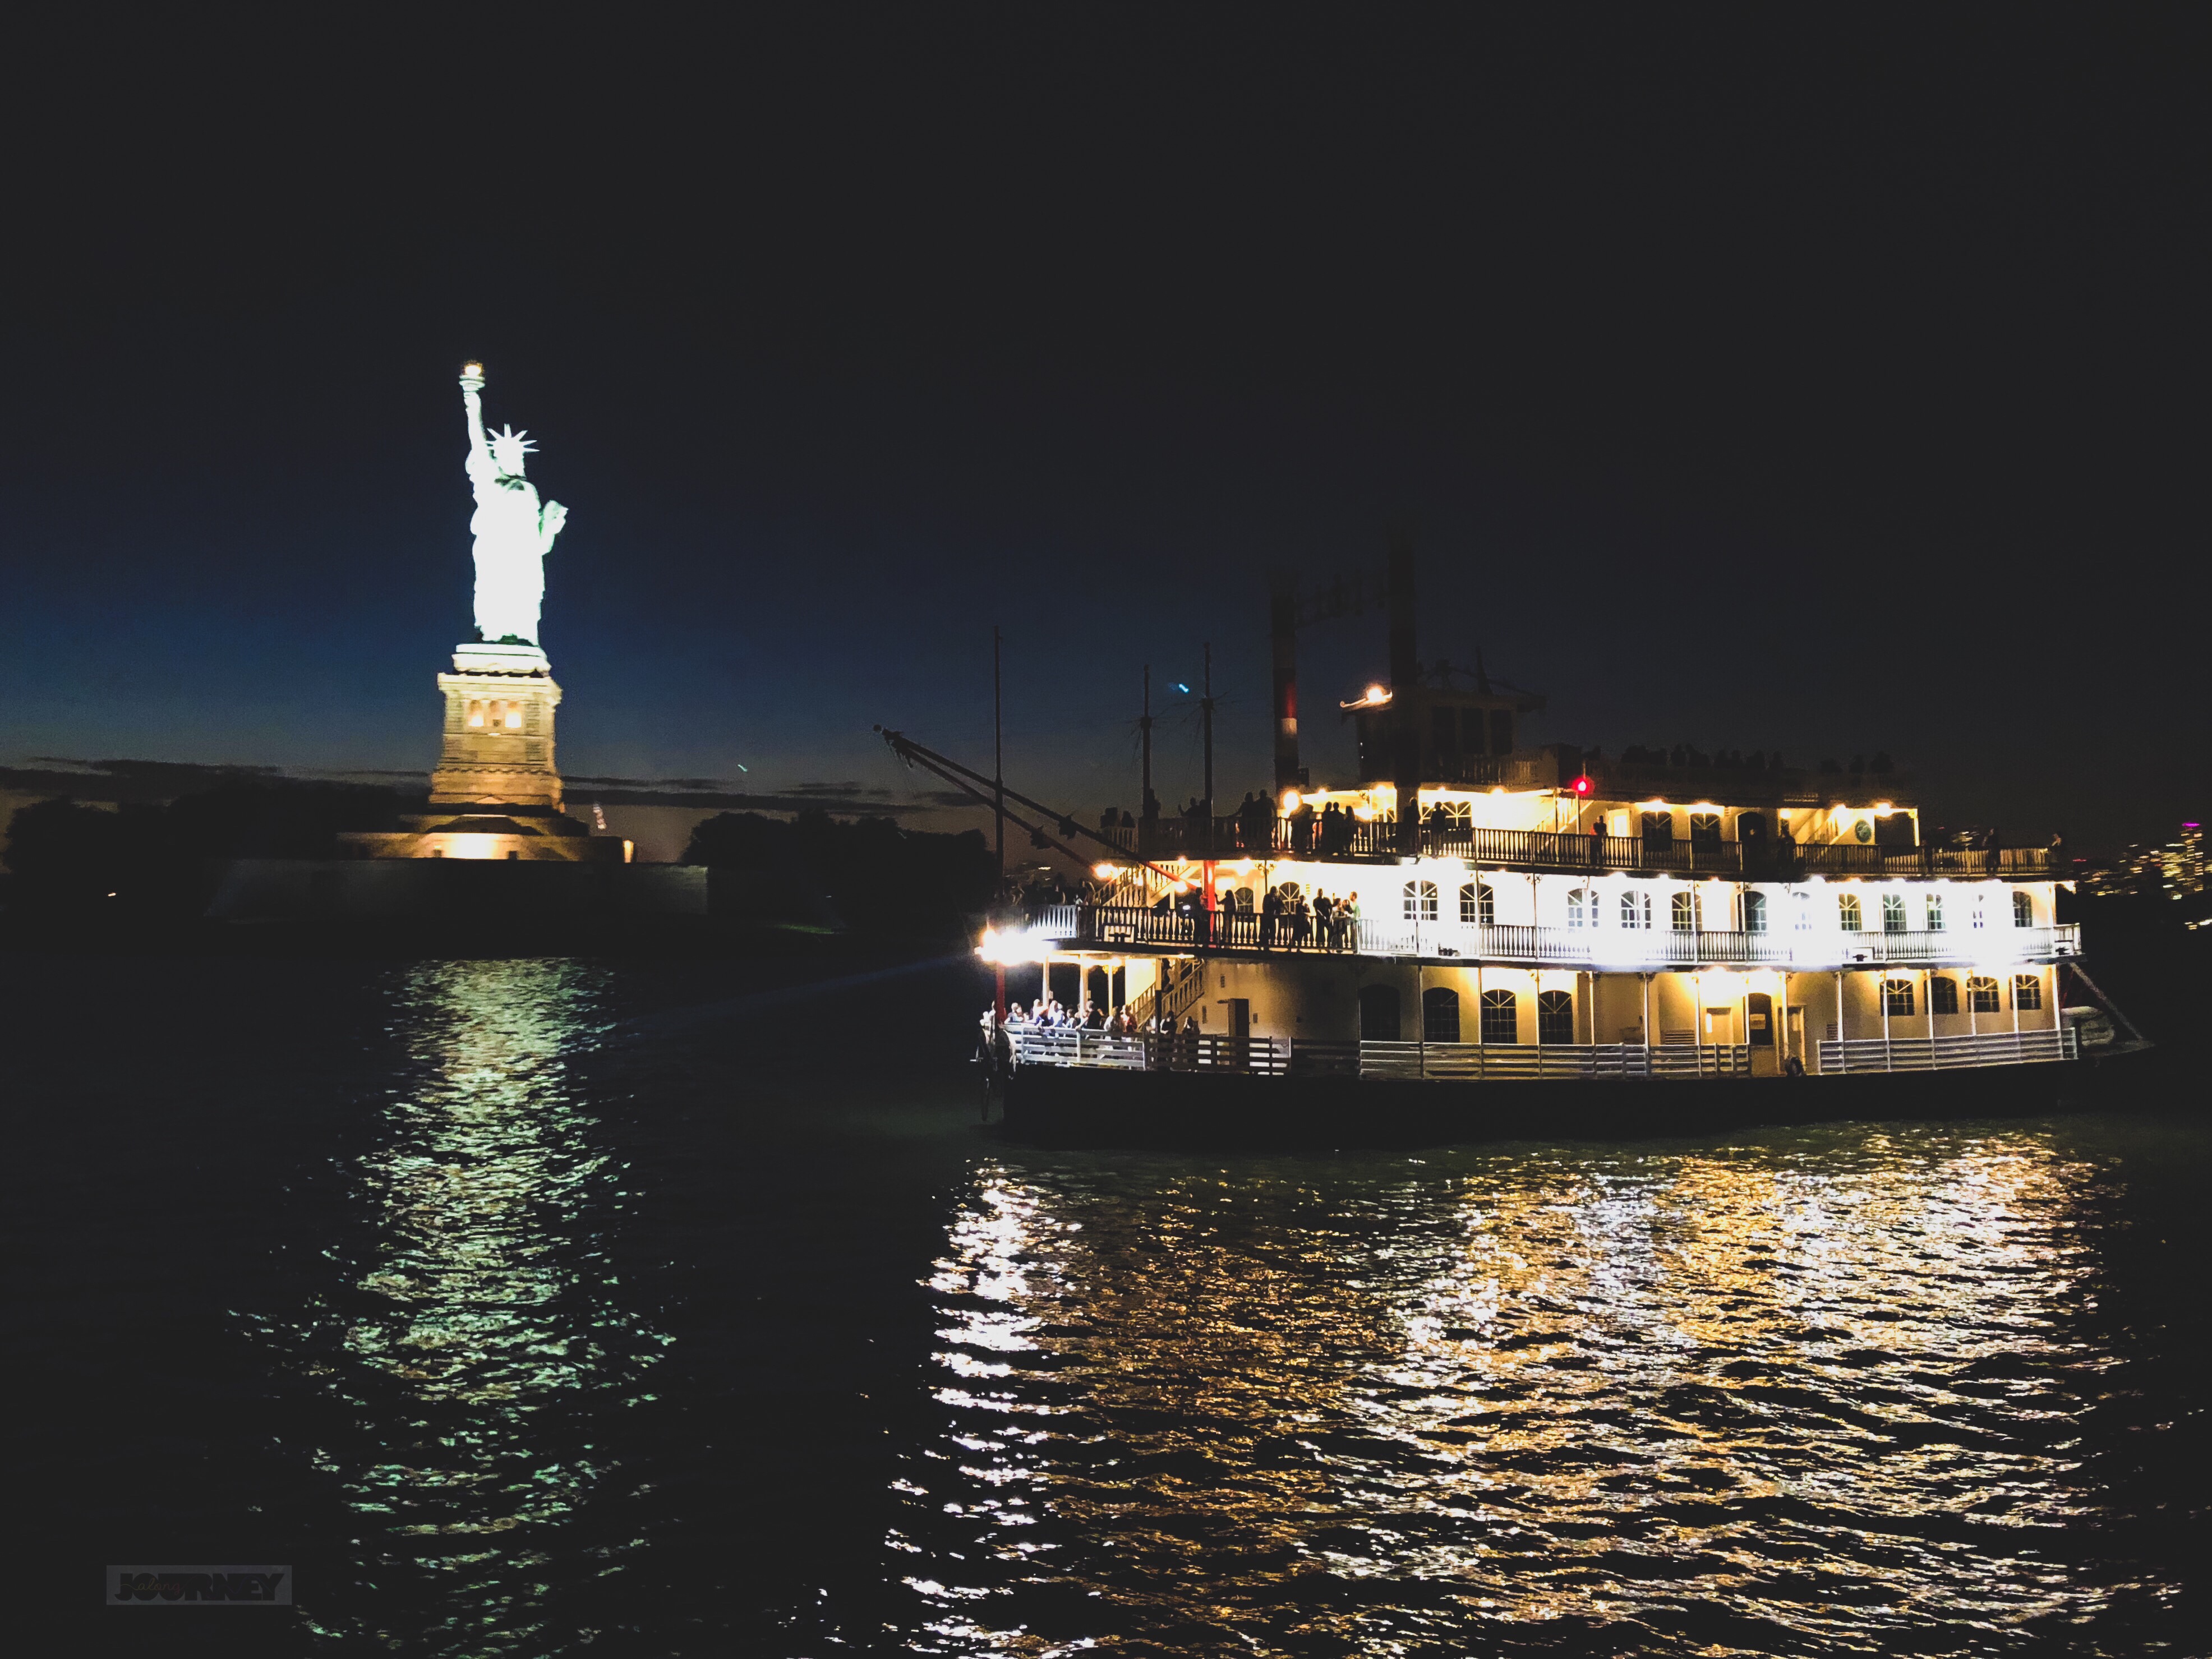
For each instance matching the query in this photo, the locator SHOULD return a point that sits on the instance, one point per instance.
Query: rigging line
(1036, 831)
(907, 747)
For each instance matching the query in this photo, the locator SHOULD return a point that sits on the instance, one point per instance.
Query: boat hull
(1080, 1106)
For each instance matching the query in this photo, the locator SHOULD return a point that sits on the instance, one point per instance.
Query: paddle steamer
(1689, 941)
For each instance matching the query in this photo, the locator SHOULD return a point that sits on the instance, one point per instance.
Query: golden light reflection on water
(481, 1332)
(1785, 1398)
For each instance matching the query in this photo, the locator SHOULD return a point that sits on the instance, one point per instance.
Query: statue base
(495, 793)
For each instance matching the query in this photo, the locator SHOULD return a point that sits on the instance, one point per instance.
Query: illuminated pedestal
(495, 793)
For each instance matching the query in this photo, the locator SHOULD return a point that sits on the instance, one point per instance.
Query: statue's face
(508, 455)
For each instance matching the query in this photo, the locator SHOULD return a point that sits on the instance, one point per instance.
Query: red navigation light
(1582, 785)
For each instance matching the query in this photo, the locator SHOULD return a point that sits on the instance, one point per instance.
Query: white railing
(1278, 1057)
(1621, 949)
(1516, 1061)
(1551, 1059)
(1067, 1045)
(1943, 1053)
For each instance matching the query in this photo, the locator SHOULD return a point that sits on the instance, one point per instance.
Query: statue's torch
(472, 377)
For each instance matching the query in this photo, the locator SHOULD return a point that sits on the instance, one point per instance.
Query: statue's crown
(507, 437)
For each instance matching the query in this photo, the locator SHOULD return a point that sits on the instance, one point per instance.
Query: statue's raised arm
(480, 465)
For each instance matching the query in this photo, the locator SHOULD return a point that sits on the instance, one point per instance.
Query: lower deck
(1355, 1014)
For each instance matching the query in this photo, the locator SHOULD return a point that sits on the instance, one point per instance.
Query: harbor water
(550, 1306)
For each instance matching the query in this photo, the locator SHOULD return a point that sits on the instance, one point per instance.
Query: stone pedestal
(495, 793)
(498, 753)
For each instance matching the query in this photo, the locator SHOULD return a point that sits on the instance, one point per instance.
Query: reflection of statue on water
(513, 533)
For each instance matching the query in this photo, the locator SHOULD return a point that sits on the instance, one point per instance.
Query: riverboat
(1541, 940)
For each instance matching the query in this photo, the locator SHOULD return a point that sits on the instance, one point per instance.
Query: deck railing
(1306, 836)
(1939, 1054)
(1260, 1056)
(1619, 949)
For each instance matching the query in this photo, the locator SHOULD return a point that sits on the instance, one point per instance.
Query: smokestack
(1282, 619)
(1405, 675)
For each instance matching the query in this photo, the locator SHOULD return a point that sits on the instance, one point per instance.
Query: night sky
(1748, 383)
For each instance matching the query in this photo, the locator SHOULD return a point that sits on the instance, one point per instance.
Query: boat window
(1582, 908)
(1420, 899)
(1934, 913)
(1682, 913)
(1440, 1015)
(1471, 723)
(1897, 996)
(2023, 910)
(1501, 730)
(1754, 913)
(1982, 995)
(1444, 730)
(1803, 909)
(1501, 1017)
(1978, 917)
(1892, 913)
(1478, 906)
(1659, 829)
(1942, 996)
(1555, 1016)
(1378, 1013)
(1635, 910)
(1849, 916)
(1705, 830)
(2027, 991)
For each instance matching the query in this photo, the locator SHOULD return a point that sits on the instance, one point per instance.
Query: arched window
(1982, 995)
(1897, 996)
(1849, 916)
(1977, 915)
(1635, 908)
(2027, 991)
(1934, 913)
(1942, 995)
(1478, 905)
(1501, 1017)
(1555, 1015)
(1582, 908)
(1440, 1015)
(2023, 910)
(515, 717)
(1754, 913)
(1378, 1013)
(1801, 910)
(1892, 913)
(1421, 900)
(1682, 912)
(477, 715)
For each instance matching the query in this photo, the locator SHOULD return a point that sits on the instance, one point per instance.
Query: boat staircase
(1175, 995)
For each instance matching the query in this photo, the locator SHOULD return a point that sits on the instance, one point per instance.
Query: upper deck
(1375, 839)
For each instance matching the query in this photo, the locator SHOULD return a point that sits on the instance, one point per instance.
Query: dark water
(552, 1307)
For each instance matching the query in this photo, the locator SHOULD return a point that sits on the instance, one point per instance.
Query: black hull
(1081, 1106)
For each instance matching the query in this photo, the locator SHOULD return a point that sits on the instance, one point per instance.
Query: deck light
(1290, 802)
(1582, 785)
(1105, 872)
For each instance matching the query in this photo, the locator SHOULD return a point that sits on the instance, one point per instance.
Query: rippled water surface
(548, 1306)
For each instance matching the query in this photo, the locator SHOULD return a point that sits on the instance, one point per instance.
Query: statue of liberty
(513, 533)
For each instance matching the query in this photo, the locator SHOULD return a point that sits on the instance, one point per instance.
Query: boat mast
(1206, 719)
(999, 755)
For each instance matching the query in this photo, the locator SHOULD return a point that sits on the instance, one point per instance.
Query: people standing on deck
(1271, 915)
(1294, 904)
